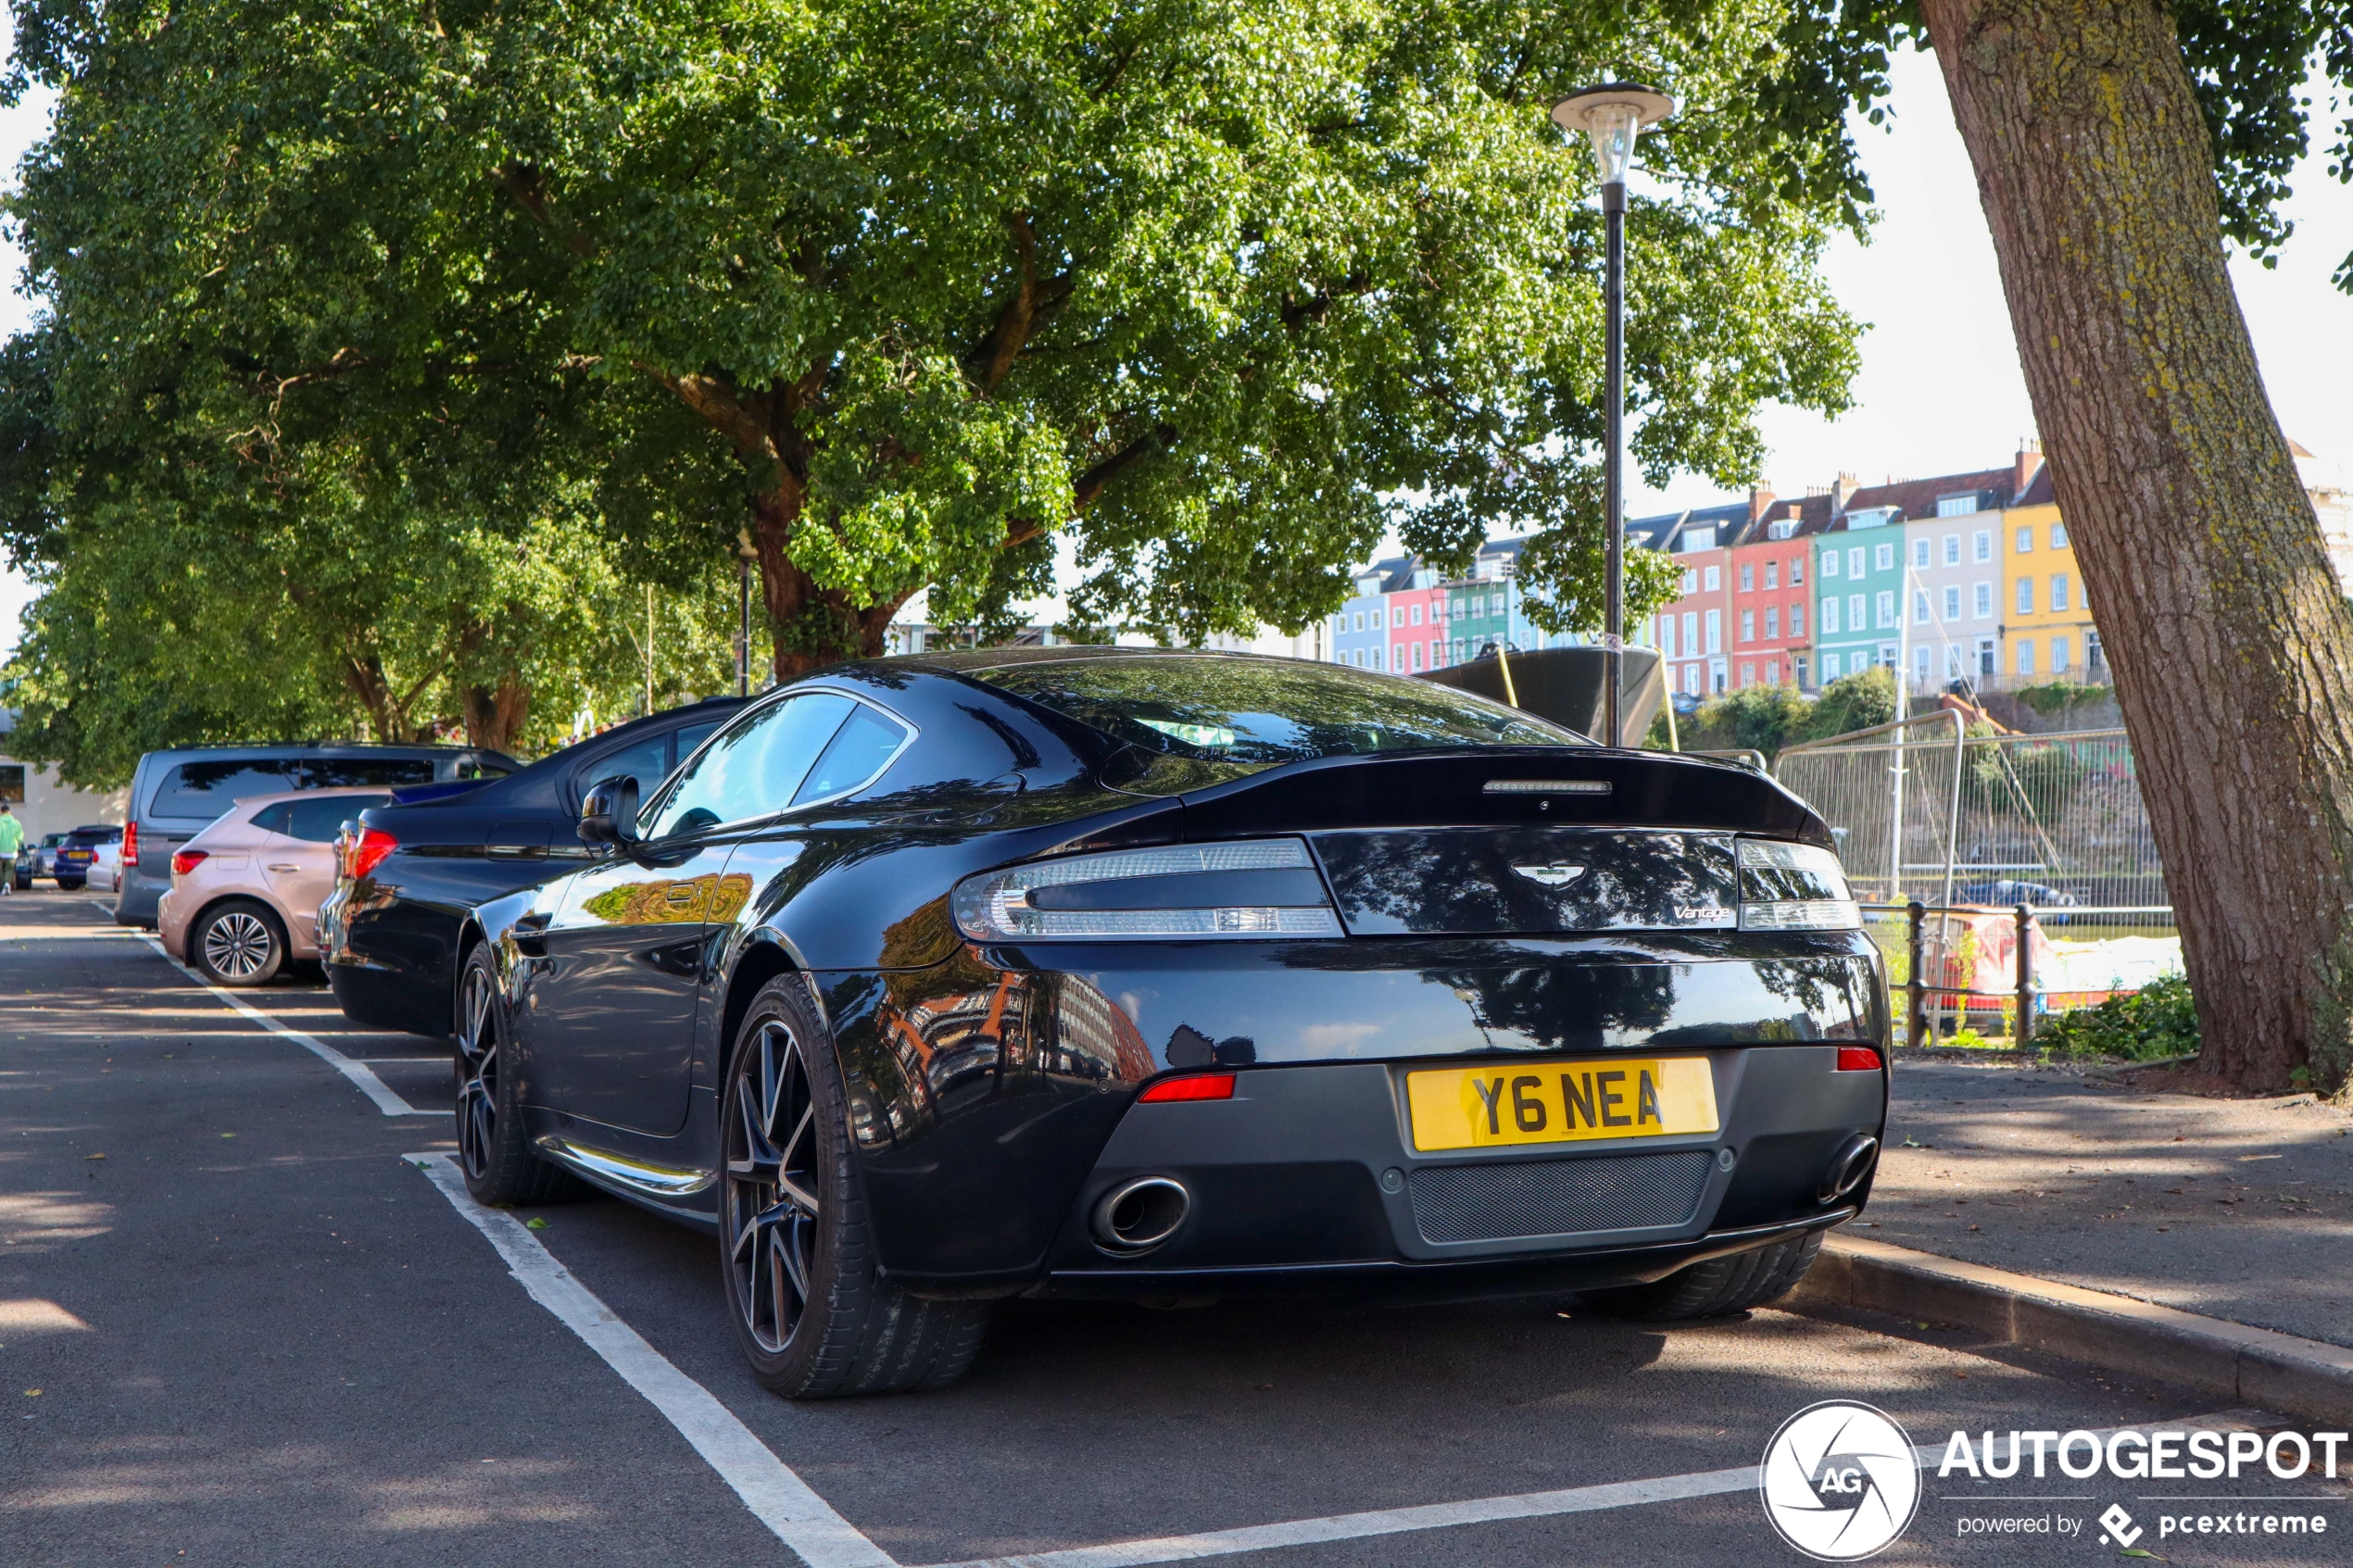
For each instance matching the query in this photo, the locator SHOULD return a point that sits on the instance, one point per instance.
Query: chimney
(1761, 501)
(2029, 464)
(1840, 489)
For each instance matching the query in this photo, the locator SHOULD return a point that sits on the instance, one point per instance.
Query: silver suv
(174, 794)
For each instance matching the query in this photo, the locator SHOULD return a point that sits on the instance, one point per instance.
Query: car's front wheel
(238, 943)
(811, 1310)
(494, 1147)
(1717, 1287)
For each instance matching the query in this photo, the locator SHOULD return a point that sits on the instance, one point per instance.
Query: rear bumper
(1308, 1178)
(137, 897)
(391, 961)
(992, 1104)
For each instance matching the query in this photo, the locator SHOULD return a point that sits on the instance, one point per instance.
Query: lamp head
(1612, 115)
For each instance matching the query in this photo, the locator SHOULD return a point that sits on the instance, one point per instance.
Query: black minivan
(175, 793)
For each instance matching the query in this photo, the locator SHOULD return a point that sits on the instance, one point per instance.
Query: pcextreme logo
(1840, 1481)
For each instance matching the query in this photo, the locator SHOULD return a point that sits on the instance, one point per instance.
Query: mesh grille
(1558, 1197)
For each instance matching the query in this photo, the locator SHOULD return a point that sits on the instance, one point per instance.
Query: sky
(1940, 390)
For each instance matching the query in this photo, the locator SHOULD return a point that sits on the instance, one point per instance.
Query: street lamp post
(1611, 116)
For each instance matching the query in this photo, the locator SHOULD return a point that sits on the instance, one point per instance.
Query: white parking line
(367, 1083)
(779, 1498)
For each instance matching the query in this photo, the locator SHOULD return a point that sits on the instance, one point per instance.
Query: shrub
(1851, 702)
(1755, 717)
(2056, 696)
(2158, 1019)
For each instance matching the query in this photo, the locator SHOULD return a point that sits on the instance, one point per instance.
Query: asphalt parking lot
(261, 1332)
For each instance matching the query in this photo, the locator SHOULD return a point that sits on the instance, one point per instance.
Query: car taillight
(1265, 888)
(131, 844)
(1857, 1059)
(188, 860)
(368, 851)
(1194, 1085)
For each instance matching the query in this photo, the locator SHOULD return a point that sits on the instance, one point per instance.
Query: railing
(2021, 994)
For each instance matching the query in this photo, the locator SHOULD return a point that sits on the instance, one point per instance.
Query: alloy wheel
(477, 1071)
(769, 1202)
(236, 945)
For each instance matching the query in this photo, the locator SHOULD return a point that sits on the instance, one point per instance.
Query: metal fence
(1921, 810)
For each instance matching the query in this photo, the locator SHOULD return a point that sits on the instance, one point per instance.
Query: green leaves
(1207, 293)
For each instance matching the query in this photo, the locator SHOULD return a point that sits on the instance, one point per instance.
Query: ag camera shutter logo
(1840, 1481)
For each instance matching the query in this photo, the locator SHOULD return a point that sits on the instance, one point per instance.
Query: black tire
(796, 1249)
(1715, 1288)
(494, 1146)
(238, 942)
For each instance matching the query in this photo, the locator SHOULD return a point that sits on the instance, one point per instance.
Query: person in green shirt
(11, 841)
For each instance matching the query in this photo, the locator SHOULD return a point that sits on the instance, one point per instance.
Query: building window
(1797, 671)
(1667, 635)
(1854, 612)
(2026, 655)
(1417, 615)
(1748, 577)
(1919, 552)
(1691, 580)
(1797, 619)
(1772, 574)
(1855, 561)
(1985, 604)
(1952, 549)
(1830, 667)
(1952, 659)
(1830, 621)
(1748, 629)
(1359, 619)
(1417, 657)
(2058, 656)
(2093, 657)
(2058, 591)
(2026, 596)
(1717, 671)
(1884, 557)
(1920, 663)
(1715, 577)
(1952, 601)
(1885, 606)
(1797, 572)
(1716, 630)
(1919, 606)
(2058, 536)
(1748, 674)
(1691, 633)
(1980, 545)
(1956, 505)
(2025, 540)
(1829, 563)
(1376, 659)
(1985, 655)
(1691, 679)
(1772, 672)
(1772, 623)
(1459, 650)
(1398, 659)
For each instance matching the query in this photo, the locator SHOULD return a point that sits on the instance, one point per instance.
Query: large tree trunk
(2227, 631)
(810, 626)
(494, 715)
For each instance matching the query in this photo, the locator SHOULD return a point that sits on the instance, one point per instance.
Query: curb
(2252, 1366)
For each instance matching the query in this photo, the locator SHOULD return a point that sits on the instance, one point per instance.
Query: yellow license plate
(1560, 1101)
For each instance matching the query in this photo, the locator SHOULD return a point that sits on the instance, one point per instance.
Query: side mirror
(609, 813)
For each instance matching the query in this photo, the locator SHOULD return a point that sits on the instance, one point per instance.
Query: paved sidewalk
(2240, 1209)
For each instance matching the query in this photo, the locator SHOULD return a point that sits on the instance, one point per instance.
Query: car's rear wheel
(494, 1151)
(1716, 1287)
(238, 943)
(811, 1309)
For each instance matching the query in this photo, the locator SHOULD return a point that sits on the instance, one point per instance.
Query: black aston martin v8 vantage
(933, 981)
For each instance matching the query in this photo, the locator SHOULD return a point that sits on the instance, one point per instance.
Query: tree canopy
(908, 293)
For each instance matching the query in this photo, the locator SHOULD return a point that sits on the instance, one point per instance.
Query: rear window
(315, 822)
(85, 838)
(207, 790)
(1263, 713)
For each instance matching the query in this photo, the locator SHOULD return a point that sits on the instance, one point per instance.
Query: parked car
(94, 847)
(389, 931)
(1093, 972)
(43, 859)
(174, 794)
(245, 892)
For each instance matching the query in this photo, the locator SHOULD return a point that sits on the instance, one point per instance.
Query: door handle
(279, 867)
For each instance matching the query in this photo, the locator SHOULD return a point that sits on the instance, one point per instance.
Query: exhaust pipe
(1137, 1215)
(1848, 1167)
